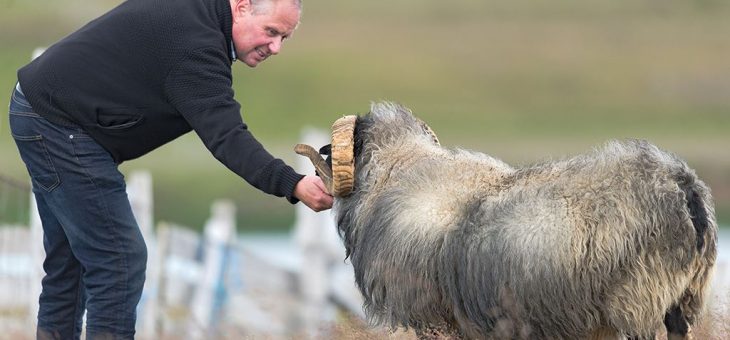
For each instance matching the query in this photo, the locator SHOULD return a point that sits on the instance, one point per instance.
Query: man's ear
(240, 7)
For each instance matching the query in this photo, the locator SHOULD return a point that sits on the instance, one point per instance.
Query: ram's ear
(323, 170)
(326, 150)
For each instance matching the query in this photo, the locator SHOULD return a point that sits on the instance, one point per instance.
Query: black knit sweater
(147, 72)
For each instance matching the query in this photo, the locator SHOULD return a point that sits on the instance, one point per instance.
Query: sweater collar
(225, 18)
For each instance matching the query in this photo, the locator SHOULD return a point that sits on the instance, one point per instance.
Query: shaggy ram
(612, 243)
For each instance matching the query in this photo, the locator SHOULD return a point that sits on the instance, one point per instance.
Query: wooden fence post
(139, 191)
(319, 246)
(141, 198)
(37, 255)
(158, 318)
(209, 296)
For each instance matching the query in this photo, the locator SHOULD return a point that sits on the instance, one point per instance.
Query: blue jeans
(95, 254)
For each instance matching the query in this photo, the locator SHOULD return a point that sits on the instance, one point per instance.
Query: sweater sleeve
(199, 87)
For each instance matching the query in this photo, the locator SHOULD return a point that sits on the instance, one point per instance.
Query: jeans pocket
(34, 153)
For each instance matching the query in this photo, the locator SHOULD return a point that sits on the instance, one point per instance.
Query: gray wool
(600, 244)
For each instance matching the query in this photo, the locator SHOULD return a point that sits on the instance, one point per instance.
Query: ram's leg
(677, 325)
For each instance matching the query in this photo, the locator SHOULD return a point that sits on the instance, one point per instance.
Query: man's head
(261, 26)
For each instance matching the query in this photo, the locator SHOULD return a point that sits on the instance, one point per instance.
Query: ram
(607, 244)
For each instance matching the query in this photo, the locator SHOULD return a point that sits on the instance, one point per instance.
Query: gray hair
(263, 6)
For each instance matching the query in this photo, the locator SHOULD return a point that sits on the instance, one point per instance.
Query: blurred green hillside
(522, 80)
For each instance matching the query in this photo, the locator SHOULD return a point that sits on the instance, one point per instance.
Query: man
(136, 78)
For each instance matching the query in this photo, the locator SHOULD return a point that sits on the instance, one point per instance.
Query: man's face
(259, 35)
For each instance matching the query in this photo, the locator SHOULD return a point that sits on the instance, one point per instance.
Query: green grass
(522, 80)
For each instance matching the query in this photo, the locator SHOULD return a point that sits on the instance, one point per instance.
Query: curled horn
(340, 178)
(325, 172)
(343, 155)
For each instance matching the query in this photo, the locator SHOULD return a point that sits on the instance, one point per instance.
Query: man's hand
(311, 191)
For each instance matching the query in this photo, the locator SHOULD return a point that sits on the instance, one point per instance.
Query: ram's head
(338, 170)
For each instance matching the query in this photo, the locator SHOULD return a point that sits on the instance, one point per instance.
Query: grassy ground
(522, 80)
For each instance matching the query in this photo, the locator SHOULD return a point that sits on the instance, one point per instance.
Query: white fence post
(37, 255)
(162, 237)
(220, 235)
(139, 190)
(321, 250)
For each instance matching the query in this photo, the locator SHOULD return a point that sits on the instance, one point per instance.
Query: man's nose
(275, 45)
